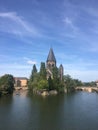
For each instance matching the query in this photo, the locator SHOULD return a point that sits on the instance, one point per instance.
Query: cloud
(92, 11)
(15, 69)
(14, 66)
(31, 62)
(17, 25)
(70, 24)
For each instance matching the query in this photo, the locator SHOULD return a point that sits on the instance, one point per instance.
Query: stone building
(50, 63)
(61, 71)
(20, 81)
(97, 83)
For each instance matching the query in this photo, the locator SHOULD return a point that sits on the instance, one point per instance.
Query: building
(20, 81)
(50, 63)
(61, 71)
(97, 83)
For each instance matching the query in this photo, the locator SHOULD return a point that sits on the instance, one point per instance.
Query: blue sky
(29, 28)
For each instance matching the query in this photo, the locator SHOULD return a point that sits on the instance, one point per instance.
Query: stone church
(50, 63)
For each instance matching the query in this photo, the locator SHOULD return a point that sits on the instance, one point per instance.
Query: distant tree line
(87, 84)
(39, 81)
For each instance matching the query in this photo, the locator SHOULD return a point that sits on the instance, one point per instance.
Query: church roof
(51, 56)
(61, 66)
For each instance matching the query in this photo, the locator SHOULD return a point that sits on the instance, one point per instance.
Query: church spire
(50, 63)
(51, 56)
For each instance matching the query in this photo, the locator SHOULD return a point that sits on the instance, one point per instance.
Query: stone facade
(50, 63)
(20, 81)
(61, 72)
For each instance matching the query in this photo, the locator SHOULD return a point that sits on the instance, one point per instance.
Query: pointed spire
(51, 56)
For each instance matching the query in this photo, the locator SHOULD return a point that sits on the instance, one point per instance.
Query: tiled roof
(20, 78)
(51, 56)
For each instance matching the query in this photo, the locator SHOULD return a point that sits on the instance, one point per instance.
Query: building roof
(20, 78)
(61, 66)
(51, 56)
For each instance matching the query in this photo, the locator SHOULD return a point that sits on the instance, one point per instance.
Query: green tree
(33, 78)
(92, 83)
(50, 83)
(78, 82)
(43, 84)
(7, 83)
(55, 73)
(43, 71)
(33, 73)
(69, 83)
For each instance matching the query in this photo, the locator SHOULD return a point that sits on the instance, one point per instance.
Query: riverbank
(45, 92)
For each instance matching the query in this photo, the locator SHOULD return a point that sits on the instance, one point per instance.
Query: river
(76, 111)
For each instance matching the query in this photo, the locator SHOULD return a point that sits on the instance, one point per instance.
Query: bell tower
(50, 63)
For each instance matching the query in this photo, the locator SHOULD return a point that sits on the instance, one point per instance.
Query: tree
(55, 73)
(50, 83)
(92, 83)
(43, 84)
(7, 83)
(78, 82)
(33, 78)
(33, 73)
(43, 71)
(69, 83)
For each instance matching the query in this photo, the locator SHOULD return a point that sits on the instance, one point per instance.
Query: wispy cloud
(92, 11)
(29, 61)
(69, 23)
(17, 25)
(16, 69)
(14, 66)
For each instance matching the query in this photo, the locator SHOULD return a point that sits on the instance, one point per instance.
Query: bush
(43, 84)
(7, 83)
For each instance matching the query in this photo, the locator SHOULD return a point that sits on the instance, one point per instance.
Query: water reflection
(77, 111)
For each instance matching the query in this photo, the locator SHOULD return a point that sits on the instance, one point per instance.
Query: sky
(28, 28)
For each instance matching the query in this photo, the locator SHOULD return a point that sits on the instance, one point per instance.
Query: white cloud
(14, 66)
(71, 28)
(31, 62)
(17, 25)
(68, 21)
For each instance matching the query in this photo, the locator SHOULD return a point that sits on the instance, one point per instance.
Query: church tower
(61, 72)
(50, 63)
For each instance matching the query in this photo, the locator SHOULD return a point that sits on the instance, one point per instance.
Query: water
(77, 111)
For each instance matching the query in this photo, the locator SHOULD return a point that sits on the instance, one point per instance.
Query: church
(50, 63)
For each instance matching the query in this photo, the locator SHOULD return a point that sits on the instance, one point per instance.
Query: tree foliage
(43, 84)
(69, 83)
(50, 83)
(33, 73)
(7, 83)
(38, 80)
(55, 73)
(92, 84)
(43, 71)
(78, 82)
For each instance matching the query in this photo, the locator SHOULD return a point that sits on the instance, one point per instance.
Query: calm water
(78, 111)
